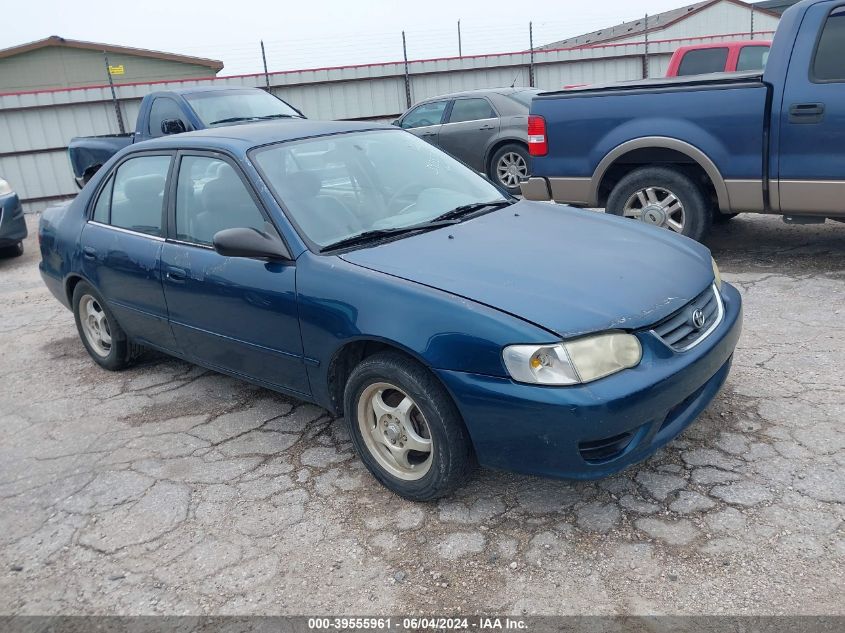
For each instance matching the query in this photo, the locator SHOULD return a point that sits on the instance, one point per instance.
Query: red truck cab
(719, 57)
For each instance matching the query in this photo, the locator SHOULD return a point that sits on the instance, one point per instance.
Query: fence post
(264, 59)
(645, 52)
(407, 75)
(752, 21)
(460, 54)
(114, 95)
(531, 44)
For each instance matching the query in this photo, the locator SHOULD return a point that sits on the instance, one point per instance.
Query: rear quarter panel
(725, 123)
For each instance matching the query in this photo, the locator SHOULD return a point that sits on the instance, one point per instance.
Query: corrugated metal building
(56, 62)
(711, 17)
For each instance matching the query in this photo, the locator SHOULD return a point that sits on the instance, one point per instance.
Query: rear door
(121, 246)
(425, 120)
(232, 313)
(811, 156)
(471, 123)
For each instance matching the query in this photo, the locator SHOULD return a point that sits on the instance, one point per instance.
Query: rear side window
(138, 194)
(101, 209)
(471, 110)
(162, 110)
(829, 63)
(703, 61)
(425, 114)
(752, 58)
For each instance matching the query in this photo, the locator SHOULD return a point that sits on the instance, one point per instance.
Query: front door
(121, 246)
(812, 122)
(467, 133)
(425, 120)
(232, 313)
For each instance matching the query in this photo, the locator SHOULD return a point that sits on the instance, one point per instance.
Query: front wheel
(101, 334)
(15, 250)
(662, 197)
(406, 428)
(509, 166)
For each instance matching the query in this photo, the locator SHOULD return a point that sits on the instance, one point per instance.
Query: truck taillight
(538, 145)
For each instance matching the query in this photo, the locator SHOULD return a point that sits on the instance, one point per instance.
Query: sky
(318, 33)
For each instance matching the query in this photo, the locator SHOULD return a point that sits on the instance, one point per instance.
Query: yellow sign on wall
(116, 70)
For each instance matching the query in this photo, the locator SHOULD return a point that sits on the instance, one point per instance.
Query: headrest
(144, 187)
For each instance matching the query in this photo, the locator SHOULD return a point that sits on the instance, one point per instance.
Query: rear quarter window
(703, 61)
(829, 60)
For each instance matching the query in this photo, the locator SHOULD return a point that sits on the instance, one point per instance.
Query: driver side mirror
(395, 122)
(244, 242)
(173, 126)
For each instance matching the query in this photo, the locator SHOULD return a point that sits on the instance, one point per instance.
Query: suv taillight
(538, 145)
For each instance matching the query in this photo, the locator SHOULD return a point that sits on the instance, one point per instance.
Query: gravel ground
(171, 489)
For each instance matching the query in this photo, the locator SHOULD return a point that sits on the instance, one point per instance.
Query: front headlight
(5, 188)
(717, 276)
(571, 362)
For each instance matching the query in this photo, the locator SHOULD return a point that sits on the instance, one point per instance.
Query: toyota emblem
(697, 318)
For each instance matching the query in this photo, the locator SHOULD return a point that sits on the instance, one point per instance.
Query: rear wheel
(662, 197)
(508, 166)
(406, 427)
(12, 251)
(101, 334)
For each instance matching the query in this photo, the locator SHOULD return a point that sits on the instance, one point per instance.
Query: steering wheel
(409, 192)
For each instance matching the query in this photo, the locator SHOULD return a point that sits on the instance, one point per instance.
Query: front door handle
(429, 134)
(177, 275)
(89, 253)
(806, 113)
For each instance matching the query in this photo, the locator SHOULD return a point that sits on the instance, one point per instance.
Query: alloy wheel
(510, 169)
(656, 206)
(95, 325)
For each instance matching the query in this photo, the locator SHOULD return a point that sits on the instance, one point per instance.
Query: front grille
(681, 332)
(605, 449)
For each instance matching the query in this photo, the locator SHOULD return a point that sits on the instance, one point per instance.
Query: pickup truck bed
(682, 152)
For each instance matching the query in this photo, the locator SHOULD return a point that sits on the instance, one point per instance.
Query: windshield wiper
(466, 209)
(279, 116)
(377, 234)
(234, 119)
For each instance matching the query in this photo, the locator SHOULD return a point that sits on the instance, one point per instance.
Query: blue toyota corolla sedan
(358, 267)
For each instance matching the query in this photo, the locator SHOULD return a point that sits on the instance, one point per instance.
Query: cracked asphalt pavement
(171, 489)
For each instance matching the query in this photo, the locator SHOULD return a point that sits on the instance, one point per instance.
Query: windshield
(341, 186)
(215, 107)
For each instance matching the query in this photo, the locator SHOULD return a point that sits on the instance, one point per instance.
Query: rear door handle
(177, 275)
(806, 113)
(429, 134)
(89, 252)
(487, 127)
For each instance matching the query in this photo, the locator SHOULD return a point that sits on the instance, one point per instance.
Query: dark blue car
(12, 223)
(360, 268)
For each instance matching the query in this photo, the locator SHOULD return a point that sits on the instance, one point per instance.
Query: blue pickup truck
(683, 152)
(174, 112)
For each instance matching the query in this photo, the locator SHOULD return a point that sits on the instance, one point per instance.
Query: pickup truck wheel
(508, 166)
(101, 334)
(406, 428)
(662, 197)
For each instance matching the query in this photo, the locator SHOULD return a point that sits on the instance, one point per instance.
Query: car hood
(567, 270)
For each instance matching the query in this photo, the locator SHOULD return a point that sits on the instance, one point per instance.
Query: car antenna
(515, 78)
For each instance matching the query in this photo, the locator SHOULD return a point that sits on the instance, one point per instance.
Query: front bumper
(12, 221)
(594, 430)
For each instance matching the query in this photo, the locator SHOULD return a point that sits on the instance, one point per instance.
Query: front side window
(471, 110)
(703, 61)
(336, 187)
(138, 194)
(752, 58)
(164, 109)
(211, 197)
(424, 115)
(230, 106)
(829, 63)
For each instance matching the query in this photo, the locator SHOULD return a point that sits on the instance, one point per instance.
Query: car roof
(245, 136)
(479, 92)
(195, 89)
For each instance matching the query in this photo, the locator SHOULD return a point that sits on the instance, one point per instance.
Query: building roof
(775, 6)
(638, 27)
(55, 40)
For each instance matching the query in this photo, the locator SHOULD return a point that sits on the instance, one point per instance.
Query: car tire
(416, 408)
(12, 251)
(648, 193)
(513, 159)
(94, 317)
